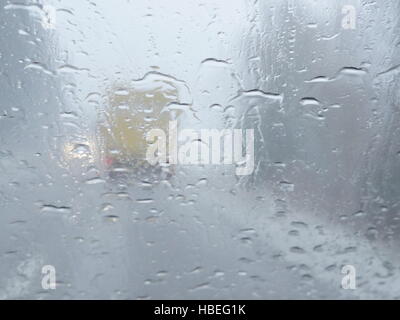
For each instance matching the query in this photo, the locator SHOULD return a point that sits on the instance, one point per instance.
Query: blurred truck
(131, 112)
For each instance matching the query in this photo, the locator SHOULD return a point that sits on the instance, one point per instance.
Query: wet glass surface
(84, 82)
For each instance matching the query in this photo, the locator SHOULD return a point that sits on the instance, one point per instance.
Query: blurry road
(324, 105)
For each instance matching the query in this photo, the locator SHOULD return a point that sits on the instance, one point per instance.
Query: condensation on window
(120, 175)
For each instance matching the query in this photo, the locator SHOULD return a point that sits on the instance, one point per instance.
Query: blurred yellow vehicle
(131, 112)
